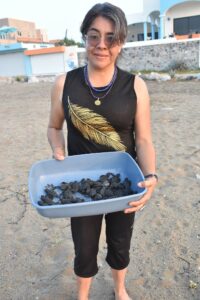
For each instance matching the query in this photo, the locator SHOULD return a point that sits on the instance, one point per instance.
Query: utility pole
(66, 34)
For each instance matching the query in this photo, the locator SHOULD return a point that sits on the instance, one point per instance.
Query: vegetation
(69, 42)
(188, 71)
(178, 65)
(21, 78)
(168, 71)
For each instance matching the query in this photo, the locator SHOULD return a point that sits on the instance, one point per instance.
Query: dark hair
(108, 11)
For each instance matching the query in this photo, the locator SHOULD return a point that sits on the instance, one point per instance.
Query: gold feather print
(94, 127)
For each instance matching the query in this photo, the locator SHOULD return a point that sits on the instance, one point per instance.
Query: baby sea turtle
(107, 186)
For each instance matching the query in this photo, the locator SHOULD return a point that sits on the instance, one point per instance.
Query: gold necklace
(92, 89)
(97, 102)
(98, 99)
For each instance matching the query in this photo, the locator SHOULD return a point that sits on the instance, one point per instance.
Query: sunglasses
(94, 38)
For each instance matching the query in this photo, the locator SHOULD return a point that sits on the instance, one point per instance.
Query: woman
(106, 109)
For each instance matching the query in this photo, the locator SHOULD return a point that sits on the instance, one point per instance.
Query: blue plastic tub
(84, 166)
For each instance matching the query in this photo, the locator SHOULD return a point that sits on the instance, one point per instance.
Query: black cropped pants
(86, 233)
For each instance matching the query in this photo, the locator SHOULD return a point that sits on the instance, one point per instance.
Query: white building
(165, 18)
(20, 60)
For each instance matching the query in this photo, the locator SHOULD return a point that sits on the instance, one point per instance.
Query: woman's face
(102, 51)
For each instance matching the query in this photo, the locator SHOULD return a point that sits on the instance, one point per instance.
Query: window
(187, 25)
(194, 24)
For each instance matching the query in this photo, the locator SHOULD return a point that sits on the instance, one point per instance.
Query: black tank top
(107, 127)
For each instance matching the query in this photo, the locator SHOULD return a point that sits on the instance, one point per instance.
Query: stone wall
(158, 57)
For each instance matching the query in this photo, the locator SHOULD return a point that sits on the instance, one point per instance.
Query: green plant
(69, 42)
(19, 78)
(172, 73)
(178, 66)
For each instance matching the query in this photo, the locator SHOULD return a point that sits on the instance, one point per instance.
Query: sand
(36, 260)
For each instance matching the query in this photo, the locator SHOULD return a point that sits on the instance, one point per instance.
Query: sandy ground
(36, 260)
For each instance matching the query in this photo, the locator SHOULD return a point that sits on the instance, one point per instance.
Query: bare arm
(144, 145)
(143, 138)
(56, 120)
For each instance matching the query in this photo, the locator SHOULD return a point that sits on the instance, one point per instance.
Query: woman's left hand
(150, 184)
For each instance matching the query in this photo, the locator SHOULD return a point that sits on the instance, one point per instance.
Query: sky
(57, 16)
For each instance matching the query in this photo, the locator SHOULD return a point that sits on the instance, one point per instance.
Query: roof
(59, 49)
(7, 29)
(29, 40)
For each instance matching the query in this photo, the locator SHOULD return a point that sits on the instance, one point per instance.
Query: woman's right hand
(58, 153)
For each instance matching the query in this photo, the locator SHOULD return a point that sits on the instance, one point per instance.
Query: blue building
(165, 18)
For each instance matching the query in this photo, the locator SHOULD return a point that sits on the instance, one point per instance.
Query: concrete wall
(26, 28)
(17, 61)
(48, 64)
(134, 30)
(165, 5)
(157, 55)
(149, 6)
(12, 64)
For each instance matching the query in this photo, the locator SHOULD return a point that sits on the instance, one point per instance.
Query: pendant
(97, 102)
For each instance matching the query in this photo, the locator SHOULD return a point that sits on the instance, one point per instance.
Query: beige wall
(42, 34)
(25, 29)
